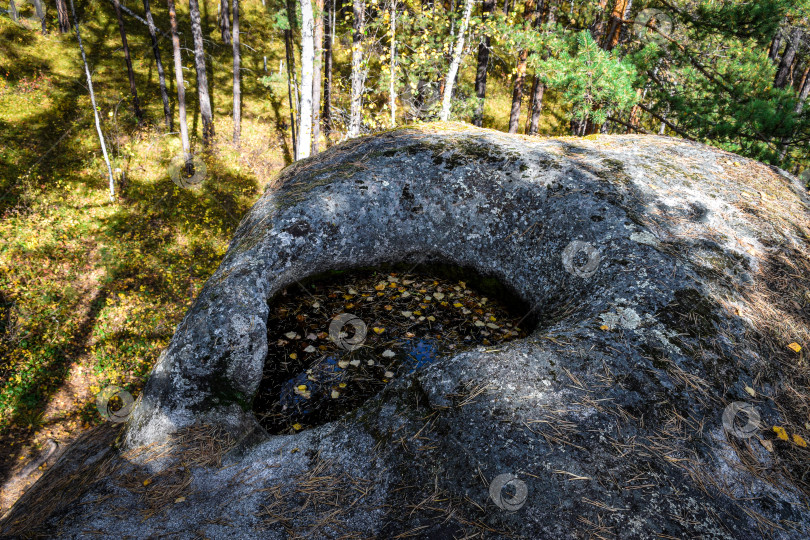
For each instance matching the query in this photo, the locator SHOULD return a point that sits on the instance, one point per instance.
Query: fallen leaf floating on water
(291, 335)
(751, 391)
(780, 432)
(179, 500)
(795, 347)
(799, 441)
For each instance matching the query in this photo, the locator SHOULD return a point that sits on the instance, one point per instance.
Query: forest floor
(92, 289)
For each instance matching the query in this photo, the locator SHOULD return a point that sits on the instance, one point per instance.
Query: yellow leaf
(751, 391)
(795, 347)
(302, 387)
(604, 327)
(458, 304)
(380, 286)
(297, 427)
(799, 441)
(147, 482)
(378, 330)
(293, 356)
(179, 499)
(780, 432)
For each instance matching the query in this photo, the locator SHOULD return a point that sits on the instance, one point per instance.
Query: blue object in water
(419, 353)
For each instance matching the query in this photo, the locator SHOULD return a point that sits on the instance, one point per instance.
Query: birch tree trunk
(307, 63)
(202, 77)
(12, 11)
(358, 73)
(40, 15)
(392, 97)
(130, 73)
(483, 64)
(454, 64)
(181, 89)
(316, 76)
(327, 67)
(224, 24)
(93, 102)
(237, 76)
(164, 94)
(290, 55)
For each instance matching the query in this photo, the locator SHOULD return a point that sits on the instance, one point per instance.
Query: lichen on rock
(609, 414)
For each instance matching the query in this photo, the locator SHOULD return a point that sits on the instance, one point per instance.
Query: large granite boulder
(666, 279)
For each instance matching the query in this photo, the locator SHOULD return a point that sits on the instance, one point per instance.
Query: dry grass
(94, 459)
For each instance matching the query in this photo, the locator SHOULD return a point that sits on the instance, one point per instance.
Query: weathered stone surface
(610, 413)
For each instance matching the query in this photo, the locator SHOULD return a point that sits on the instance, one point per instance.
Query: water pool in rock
(336, 340)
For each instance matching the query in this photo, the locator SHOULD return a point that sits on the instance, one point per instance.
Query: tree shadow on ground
(45, 155)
